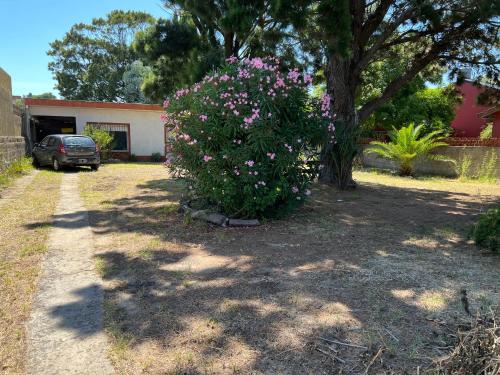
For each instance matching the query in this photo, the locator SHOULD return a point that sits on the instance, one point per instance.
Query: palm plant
(407, 145)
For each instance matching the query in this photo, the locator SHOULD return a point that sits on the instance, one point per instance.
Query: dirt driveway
(380, 268)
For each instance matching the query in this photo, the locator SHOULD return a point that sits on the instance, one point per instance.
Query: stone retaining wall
(12, 145)
(479, 156)
(11, 149)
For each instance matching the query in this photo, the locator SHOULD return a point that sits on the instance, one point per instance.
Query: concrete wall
(11, 142)
(146, 128)
(478, 155)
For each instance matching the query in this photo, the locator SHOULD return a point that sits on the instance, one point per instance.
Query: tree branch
(373, 21)
(396, 84)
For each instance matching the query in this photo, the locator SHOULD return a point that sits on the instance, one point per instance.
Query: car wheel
(56, 165)
(94, 167)
(36, 163)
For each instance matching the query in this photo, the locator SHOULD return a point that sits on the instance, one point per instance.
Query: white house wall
(146, 129)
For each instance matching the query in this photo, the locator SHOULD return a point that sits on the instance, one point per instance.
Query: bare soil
(380, 268)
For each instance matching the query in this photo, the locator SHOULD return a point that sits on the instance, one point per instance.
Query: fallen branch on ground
(343, 343)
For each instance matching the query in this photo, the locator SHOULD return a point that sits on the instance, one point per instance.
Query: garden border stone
(218, 218)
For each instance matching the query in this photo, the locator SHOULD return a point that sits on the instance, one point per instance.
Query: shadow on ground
(381, 267)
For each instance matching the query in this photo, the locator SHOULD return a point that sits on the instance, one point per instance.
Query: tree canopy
(44, 95)
(89, 62)
(243, 26)
(177, 54)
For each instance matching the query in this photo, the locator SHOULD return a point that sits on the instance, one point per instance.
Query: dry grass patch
(21, 250)
(379, 270)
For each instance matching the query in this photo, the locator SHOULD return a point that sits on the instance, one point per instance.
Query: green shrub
(242, 137)
(463, 168)
(14, 170)
(485, 172)
(102, 139)
(486, 233)
(487, 132)
(156, 157)
(132, 158)
(488, 167)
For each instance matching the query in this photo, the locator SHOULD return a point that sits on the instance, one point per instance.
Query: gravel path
(65, 334)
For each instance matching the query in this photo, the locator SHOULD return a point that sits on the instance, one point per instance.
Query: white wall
(146, 129)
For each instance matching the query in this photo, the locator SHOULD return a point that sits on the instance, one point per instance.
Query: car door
(51, 149)
(41, 151)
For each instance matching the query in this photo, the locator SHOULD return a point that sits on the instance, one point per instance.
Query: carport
(42, 126)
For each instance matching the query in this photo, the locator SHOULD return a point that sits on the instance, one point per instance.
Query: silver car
(60, 150)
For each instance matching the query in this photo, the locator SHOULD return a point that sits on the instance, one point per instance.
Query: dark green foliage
(241, 27)
(102, 139)
(486, 233)
(156, 157)
(45, 95)
(89, 62)
(177, 55)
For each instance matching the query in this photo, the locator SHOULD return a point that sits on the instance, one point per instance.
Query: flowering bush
(243, 137)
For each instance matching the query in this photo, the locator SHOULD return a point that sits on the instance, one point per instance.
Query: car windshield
(78, 141)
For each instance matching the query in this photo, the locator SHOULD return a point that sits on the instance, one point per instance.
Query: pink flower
(325, 103)
(307, 192)
(203, 118)
(207, 158)
(250, 163)
(225, 77)
(232, 60)
(163, 117)
(271, 155)
(280, 82)
(257, 63)
(293, 75)
(295, 189)
(166, 103)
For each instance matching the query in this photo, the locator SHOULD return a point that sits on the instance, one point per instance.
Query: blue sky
(28, 26)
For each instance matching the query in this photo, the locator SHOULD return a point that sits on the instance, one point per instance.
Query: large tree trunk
(229, 44)
(337, 158)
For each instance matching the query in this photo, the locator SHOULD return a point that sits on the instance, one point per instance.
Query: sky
(28, 26)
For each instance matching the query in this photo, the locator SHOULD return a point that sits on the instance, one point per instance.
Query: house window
(120, 133)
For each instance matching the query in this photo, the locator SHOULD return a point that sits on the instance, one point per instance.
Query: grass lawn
(15, 170)
(381, 267)
(22, 245)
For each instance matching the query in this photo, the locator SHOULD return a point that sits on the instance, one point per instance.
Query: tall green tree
(177, 54)
(199, 34)
(45, 95)
(241, 26)
(354, 34)
(90, 60)
(133, 82)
